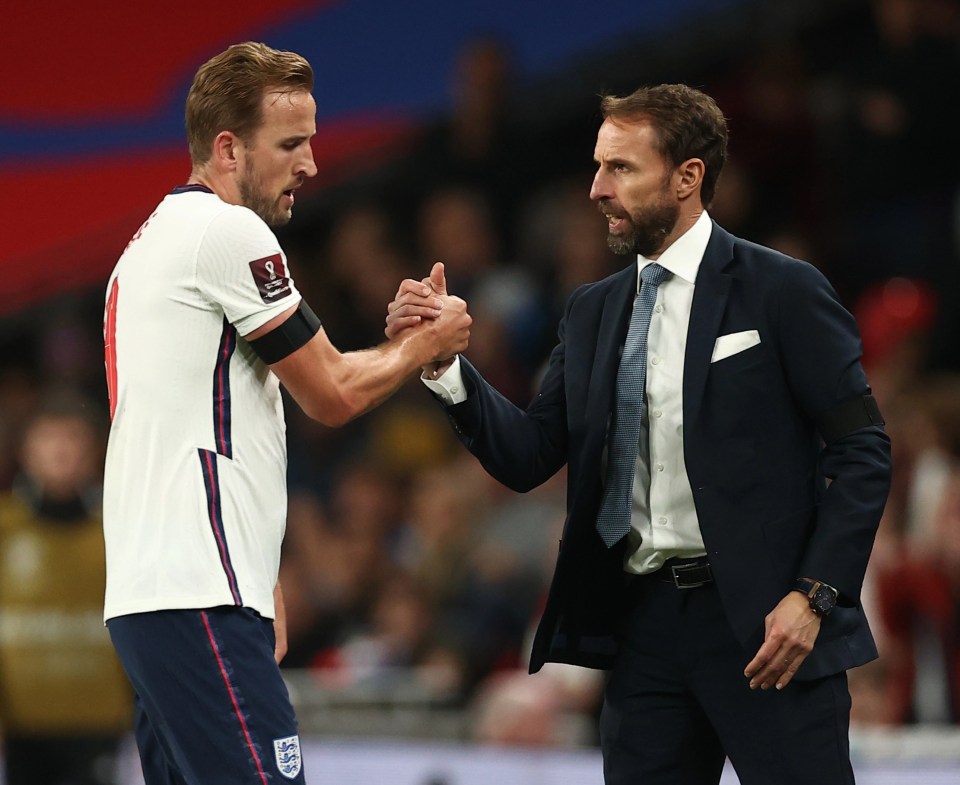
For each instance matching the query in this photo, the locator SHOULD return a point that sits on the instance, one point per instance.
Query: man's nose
(308, 166)
(600, 188)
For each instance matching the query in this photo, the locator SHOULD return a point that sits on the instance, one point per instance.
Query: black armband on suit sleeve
(849, 416)
(286, 338)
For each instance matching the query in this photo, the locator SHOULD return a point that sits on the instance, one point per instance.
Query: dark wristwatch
(821, 596)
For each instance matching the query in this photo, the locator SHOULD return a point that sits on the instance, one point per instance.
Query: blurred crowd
(404, 562)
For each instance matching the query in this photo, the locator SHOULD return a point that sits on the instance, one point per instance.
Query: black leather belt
(685, 573)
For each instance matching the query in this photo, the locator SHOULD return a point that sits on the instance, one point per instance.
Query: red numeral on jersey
(110, 345)
(140, 230)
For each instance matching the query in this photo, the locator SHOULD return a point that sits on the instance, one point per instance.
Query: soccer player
(202, 323)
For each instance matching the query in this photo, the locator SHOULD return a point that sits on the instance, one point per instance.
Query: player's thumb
(438, 279)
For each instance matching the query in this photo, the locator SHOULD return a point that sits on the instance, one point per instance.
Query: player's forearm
(334, 388)
(365, 379)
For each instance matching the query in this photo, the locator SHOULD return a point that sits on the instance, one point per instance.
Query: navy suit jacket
(774, 502)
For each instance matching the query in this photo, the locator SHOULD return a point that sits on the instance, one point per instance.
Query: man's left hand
(791, 631)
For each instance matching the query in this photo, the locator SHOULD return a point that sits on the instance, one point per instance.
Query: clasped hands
(417, 301)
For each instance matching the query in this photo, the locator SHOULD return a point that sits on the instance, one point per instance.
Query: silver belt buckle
(676, 571)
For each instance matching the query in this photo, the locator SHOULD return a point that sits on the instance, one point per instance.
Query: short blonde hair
(228, 90)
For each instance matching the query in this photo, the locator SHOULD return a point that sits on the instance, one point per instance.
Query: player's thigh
(156, 760)
(214, 696)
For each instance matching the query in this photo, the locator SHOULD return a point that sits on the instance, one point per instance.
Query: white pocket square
(734, 343)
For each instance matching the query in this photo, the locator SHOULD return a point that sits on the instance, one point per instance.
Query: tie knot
(654, 274)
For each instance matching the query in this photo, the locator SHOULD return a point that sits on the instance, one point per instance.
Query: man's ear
(689, 177)
(227, 151)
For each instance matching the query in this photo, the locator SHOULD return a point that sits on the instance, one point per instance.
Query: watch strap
(806, 586)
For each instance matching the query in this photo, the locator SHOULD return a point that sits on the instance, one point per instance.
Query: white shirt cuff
(449, 385)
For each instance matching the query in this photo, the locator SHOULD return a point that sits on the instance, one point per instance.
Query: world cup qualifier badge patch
(287, 753)
(270, 276)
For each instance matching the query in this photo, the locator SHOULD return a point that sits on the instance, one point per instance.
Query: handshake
(437, 323)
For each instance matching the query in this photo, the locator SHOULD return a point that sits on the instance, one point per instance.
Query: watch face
(823, 600)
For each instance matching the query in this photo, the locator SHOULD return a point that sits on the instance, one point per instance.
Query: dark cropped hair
(228, 89)
(688, 124)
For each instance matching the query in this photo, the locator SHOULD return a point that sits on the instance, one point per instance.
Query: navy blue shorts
(212, 708)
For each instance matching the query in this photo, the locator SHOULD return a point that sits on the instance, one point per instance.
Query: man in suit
(719, 582)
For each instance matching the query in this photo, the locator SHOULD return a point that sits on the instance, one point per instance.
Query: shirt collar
(684, 256)
(190, 187)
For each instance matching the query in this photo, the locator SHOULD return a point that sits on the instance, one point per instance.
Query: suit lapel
(709, 302)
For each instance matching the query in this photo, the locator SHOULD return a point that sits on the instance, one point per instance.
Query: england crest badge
(287, 753)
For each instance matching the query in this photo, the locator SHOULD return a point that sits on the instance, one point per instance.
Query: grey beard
(650, 228)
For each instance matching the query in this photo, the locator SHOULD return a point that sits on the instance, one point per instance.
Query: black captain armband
(849, 416)
(285, 339)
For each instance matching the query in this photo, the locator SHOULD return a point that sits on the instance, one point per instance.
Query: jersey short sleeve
(240, 267)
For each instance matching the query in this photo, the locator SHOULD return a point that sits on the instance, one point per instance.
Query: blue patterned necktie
(616, 506)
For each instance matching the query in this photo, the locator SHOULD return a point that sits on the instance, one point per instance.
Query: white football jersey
(195, 497)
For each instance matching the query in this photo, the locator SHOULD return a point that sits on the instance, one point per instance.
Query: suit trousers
(677, 702)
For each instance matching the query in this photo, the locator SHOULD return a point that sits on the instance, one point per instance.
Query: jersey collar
(185, 189)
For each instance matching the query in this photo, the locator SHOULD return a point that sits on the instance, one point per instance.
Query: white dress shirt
(664, 517)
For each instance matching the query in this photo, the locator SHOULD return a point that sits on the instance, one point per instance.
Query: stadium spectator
(919, 599)
(65, 704)
(479, 145)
